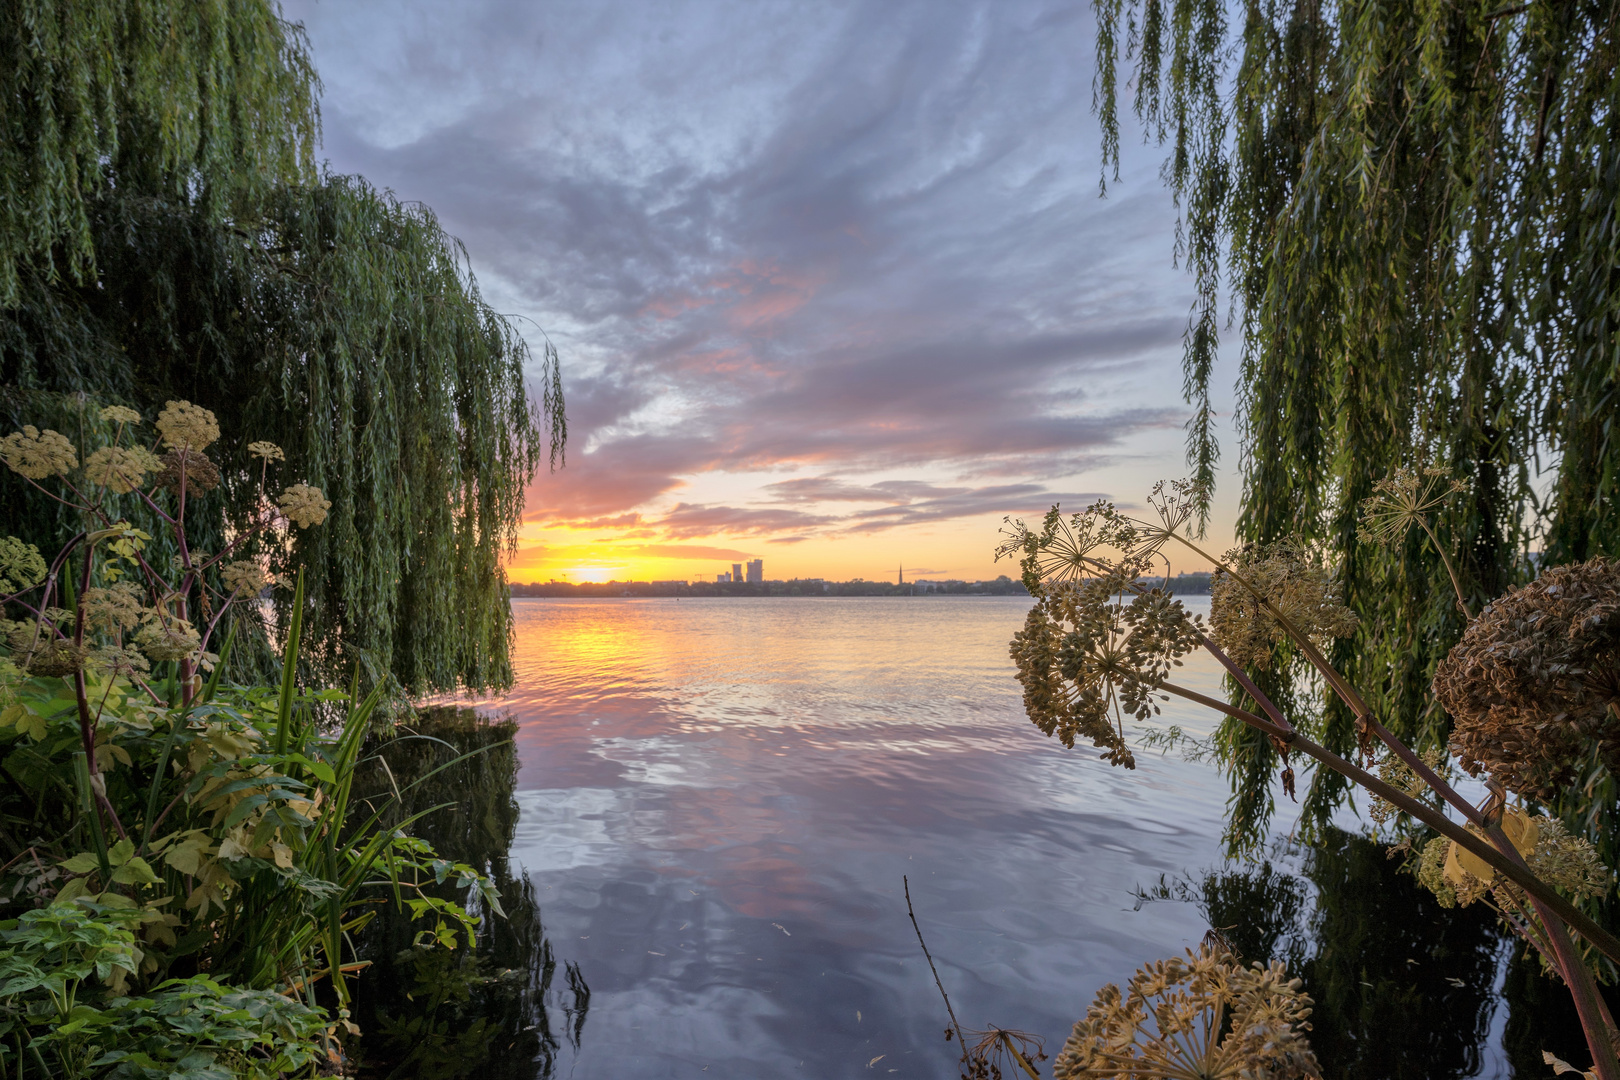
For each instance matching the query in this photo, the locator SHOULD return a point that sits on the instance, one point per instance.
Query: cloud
(683, 551)
(690, 520)
(855, 241)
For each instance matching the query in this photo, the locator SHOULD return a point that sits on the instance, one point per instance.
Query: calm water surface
(719, 800)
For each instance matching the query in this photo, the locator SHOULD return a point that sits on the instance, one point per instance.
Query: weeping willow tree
(1413, 209)
(164, 234)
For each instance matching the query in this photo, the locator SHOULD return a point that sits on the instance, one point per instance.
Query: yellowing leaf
(135, 872)
(189, 855)
(283, 855)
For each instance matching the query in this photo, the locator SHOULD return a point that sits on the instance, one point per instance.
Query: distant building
(723, 579)
(736, 572)
(756, 571)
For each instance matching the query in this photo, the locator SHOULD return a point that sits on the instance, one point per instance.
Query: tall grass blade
(289, 666)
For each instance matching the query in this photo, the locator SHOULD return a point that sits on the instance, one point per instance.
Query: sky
(832, 283)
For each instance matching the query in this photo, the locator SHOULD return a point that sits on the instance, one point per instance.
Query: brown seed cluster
(1534, 684)
(201, 474)
(1294, 584)
(1203, 1015)
(1088, 657)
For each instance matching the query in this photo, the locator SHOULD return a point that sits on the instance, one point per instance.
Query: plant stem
(1516, 872)
(1462, 602)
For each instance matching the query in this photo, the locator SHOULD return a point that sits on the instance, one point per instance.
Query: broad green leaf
(135, 872)
(82, 863)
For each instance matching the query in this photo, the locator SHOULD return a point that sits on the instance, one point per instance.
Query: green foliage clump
(194, 1028)
(184, 854)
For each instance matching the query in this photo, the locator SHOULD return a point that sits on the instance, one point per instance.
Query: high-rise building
(736, 572)
(756, 571)
(723, 579)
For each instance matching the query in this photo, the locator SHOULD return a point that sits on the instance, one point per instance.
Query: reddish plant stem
(1516, 872)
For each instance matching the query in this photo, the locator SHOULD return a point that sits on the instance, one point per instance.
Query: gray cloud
(850, 239)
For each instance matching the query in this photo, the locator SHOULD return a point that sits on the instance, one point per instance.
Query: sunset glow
(807, 311)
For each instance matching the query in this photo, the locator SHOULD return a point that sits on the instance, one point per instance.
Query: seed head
(120, 470)
(1206, 1015)
(1087, 657)
(1534, 684)
(187, 427)
(269, 451)
(39, 647)
(21, 565)
(116, 609)
(120, 414)
(1403, 499)
(244, 577)
(117, 660)
(304, 505)
(169, 639)
(201, 474)
(1289, 576)
(37, 454)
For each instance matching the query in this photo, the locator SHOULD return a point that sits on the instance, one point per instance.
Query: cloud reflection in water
(719, 799)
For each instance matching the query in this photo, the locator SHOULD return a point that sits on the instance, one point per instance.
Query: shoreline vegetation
(1195, 584)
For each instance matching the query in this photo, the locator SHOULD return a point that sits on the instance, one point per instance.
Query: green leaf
(82, 863)
(135, 872)
(121, 852)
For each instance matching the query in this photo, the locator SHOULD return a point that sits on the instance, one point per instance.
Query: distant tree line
(1001, 586)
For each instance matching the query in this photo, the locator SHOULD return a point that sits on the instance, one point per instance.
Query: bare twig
(960, 1041)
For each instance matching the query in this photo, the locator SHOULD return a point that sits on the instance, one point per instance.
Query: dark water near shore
(715, 803)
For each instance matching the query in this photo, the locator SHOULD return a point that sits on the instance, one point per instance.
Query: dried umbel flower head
(120, 414)
(37, 454)
(119, 469)
(116, 609)
(116, 660)
(1087, 657)
(39, 649)
(304, 505)
(201, 474)
(1403, 499)
(267, 451)
(1534, 684)
(1205, 1016)
(1398, 774)
(245, 576)
(187, 426)
(172, 639)
(1292, 580)
(1067, 549)
(21, 566)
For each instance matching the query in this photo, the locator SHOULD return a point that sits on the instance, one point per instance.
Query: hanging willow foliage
(175, 244)
(1418, 205)
(344, 327)
(213, 99)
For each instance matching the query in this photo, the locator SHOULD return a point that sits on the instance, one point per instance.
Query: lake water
(719, 800)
